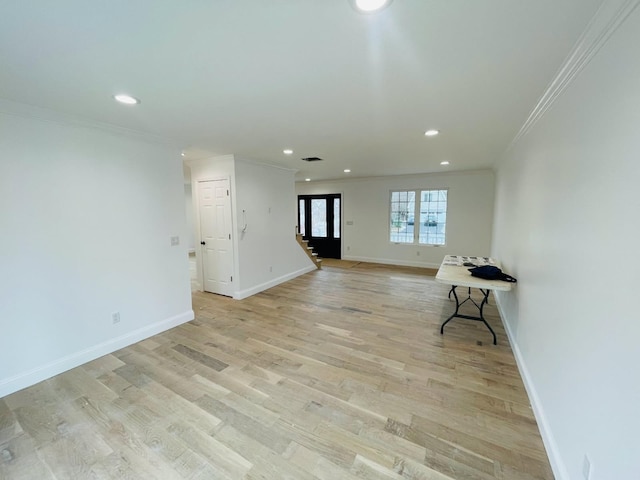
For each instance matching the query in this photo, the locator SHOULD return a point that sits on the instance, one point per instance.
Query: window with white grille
(418, 217)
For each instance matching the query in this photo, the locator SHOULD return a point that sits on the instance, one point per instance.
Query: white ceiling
(252, 77)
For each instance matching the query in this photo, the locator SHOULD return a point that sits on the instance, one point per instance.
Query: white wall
(188, 207)
(190, 239)
(86, 218)
(268, 251)
(567, 226)
(266, 254)
(365, 202)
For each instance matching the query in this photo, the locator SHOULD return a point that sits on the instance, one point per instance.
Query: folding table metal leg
(456, 314)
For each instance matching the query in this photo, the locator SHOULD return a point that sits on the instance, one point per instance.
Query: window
(336, 218)
(418, 217)
(301, 222)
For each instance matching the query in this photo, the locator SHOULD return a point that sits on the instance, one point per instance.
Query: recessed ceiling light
(182, 154)
(126, 99)
(444, 163)
(431, 133)
(287, 151)
(347, 170)
(371, 5)
(307, 179)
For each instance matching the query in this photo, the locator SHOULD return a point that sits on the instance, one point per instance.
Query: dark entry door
(319, 223)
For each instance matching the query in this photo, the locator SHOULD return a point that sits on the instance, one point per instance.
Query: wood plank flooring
(339, 374)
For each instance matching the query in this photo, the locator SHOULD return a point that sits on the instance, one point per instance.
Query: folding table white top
(452, 271)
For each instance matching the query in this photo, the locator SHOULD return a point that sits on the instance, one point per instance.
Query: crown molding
(9, 107)
(264, 164)
(607, 19)
(357, 179)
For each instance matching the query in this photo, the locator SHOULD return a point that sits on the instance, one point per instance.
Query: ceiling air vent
(312, 159)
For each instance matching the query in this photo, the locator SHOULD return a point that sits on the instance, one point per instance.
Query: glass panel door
(319, 217)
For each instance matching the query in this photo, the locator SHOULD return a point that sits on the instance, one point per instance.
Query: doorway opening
(319, 222)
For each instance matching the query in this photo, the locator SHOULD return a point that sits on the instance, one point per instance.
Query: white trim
(450, 173)
(24, 110)
(242, 294)
(263, 164)
(557, 465)
(389, 261)
(608, 18)
(43, 372)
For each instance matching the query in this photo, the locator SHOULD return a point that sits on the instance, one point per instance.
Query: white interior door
(215, 231)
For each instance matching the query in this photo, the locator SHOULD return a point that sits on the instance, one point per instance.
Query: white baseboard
(388, 261)
(272, 283)
(557, 465)
(38, 374)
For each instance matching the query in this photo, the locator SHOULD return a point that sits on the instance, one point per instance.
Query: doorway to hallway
(319, 222)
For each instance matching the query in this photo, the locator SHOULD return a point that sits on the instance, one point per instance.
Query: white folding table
(454, 272)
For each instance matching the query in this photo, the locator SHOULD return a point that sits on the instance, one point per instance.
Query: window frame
(417, 207)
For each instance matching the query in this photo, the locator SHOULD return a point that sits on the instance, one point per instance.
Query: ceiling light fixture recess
(444, 163)
(369, 6)
(431, 133)
(307, 179)
(347, 170)
(126, 99)
(287, 151)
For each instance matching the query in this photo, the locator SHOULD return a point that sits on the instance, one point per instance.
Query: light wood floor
(339, 374)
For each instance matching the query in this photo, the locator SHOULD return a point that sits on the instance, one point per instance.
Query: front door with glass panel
(319, 223)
